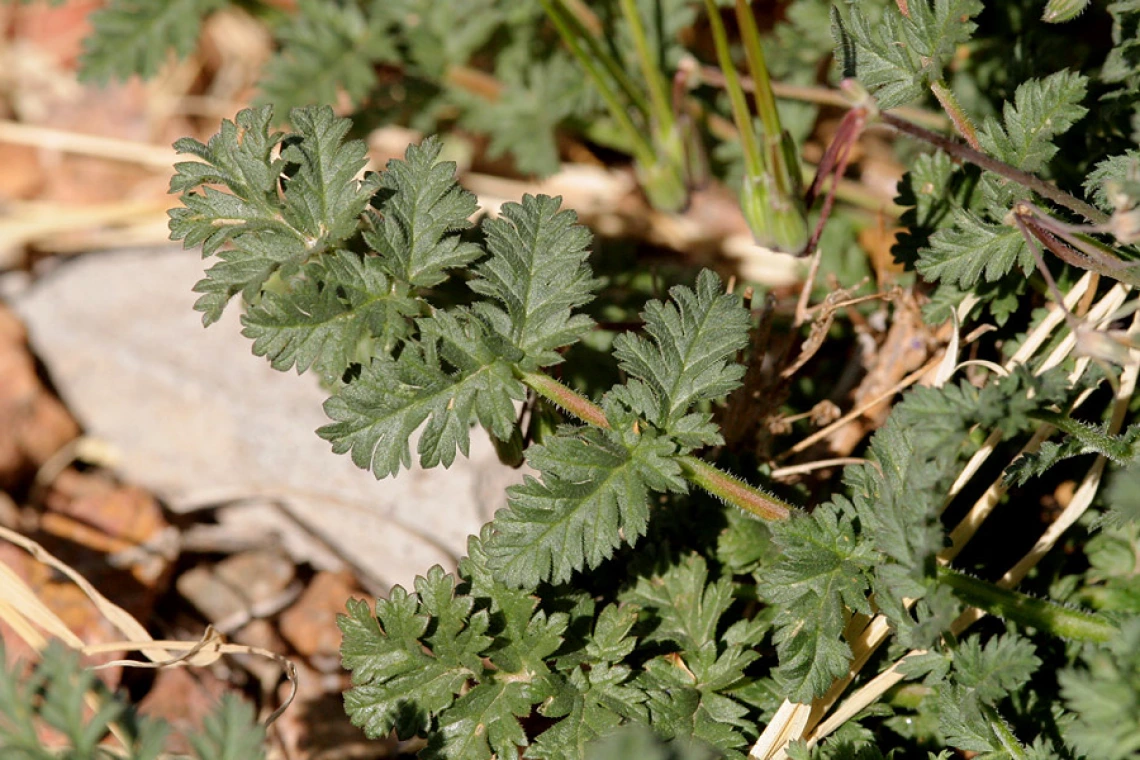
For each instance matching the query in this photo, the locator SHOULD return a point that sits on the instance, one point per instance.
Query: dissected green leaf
(593, 496)
(57, 693)
(341, 310)
(972, 250)
(421, 215)
(232, 733)
(484, 722)
(1041, 110)
(318, 209)
(689, 359)
(242, 157)
(330, 47)
(640, 742)
(537, 273)
(821, 570)
(524, 120)
(997, 669)
(1104, 692)
(136, 36)
(689, 607)
(898, 56)
(375, 415)
(411, 659)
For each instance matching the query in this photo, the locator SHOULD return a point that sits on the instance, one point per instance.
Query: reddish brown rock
(34, 425)
(310, 624)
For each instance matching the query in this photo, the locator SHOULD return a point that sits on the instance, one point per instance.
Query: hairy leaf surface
(135, 36)
(537, 273)
(899, 56)
(375, 415)
(689, 359)
(401, 672)
(341, 310)
(593, 496)
(421, 215)
(317, 210)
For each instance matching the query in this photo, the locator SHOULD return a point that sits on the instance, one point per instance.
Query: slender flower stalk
(770, 197)
(658, 146)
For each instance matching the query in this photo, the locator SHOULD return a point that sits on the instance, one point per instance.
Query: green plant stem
(734, 491)
(565, 398)
(572, 26)
(1026, 610)
(761, 82)
(572, 33)
(966, 153)
(753, 158)
(696, 471)
(660, 106)
(1004, 733)
(957, 114)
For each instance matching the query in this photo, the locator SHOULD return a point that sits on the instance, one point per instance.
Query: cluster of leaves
(60, 696)
(350, 275)
(469, 661)
(362, 304)
(555, 631)
(501, 73)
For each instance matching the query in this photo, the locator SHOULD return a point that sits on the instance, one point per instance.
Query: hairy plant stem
(565, 398)
(956, 113)
(1029, 611)
(734, 491)
(720, 484)
(966, 153)
(1004, 733)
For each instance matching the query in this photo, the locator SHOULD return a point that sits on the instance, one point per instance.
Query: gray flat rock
(198, 419)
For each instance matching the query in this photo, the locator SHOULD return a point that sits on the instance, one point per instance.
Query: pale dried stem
(875, 635)
(110, 148)
(863, 698)
(865, 642)
(968, 526)
(801, 469)
(855, 413)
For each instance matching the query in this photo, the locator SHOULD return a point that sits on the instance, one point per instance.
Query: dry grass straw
(31, 619)
(864, 634)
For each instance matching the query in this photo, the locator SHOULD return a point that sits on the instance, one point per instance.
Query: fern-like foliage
(55, 695)
(328, 48)
(357, 308)
(980, 246)
(461, 661)
(596, 483)
(883, 536)
(135, 36)
(1104, 693)
(376, 415)
(688, 360)
(537, 273)
(272, 224)
(421, 215)
(483, 652)
(898, 56)
(594, 495)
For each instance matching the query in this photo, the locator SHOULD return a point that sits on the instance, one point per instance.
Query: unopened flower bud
(1060, 11)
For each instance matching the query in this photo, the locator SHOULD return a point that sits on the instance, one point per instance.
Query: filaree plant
(893, 513)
